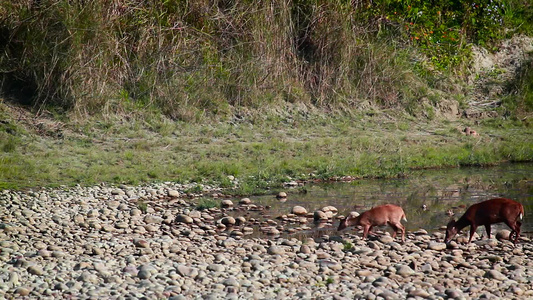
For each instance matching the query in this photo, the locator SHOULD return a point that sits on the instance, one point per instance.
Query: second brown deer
(487, 213)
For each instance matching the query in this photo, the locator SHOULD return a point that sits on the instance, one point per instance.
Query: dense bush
(194, 58)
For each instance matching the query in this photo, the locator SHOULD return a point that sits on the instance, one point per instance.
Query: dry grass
(198, 58)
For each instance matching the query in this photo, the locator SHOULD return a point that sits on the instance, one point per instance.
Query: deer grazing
(486, 213)
(387, 214)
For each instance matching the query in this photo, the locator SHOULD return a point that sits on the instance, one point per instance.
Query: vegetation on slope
(189, 59)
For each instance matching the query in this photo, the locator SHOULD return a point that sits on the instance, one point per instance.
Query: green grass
(205, 203)
(260, 153)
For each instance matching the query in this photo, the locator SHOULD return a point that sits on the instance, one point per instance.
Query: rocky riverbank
(151, 242)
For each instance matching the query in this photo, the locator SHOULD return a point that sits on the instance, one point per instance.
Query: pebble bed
(151, 243)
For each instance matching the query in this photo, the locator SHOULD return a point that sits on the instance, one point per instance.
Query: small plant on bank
(205, 203)
(329, 281)
(347, 246)
(197, 189)
(142, 206)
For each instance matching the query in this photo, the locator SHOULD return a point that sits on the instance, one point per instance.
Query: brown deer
(486, 213)
(387, 214)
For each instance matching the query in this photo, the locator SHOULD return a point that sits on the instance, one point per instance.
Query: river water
(442, 192)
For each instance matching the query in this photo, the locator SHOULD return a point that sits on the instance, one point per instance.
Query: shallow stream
(442, 192)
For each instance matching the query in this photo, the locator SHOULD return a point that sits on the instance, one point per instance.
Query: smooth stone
(144, 274)
(494, 274)
(363, 273)
(118, 192)
(385, 239)
(44, 253)
(79, 219)
(216, 267)
(305, 249)
(240, 220)
(228, 221)
(150, 219)
(187, 271)
(231, 281)
(181, 218)
(437, 246)
(93, 213)
(276, 250)
(35, 270)
(487, 242)
(227, 203)
(503, 234)
(299, 210)
(320, 216)
(14, 278)
(330, 264)
(141, 243)
(419, 293)
(173, 193)
(281, 195)
(454, 294)
(404, 270)
(130, 269)
(88, 277)
(245, 201)
(22, 291)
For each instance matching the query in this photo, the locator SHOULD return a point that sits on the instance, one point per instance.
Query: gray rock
(404, 270)
(493, 274)
(228, 221)
(23, 291)
(437, 246)
(187, 271)
(304, 249)
(226, 203)
(454, 294)
(144, 274)
(245, 201)
(503, 234)
(88, 277)
(385, 239)
(216, 267)
(35, 270)
(14, 278)
(231, 281)
(419, 293)
(181, 218)
(299, 210)
(276, 250)
(150, 219)
(320, 215)
(173, 193)
(130, 269)
(487, 242)
(141, 243)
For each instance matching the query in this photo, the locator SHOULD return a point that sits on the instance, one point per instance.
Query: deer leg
(402, 228)
(366, 229)
(394, 229)
(516, 230)
(487, 228)
(472, 231)
(398, 227)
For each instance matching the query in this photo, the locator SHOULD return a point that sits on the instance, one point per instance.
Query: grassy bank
(261, 151)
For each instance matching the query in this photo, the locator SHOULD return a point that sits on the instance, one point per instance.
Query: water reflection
(429, 197)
